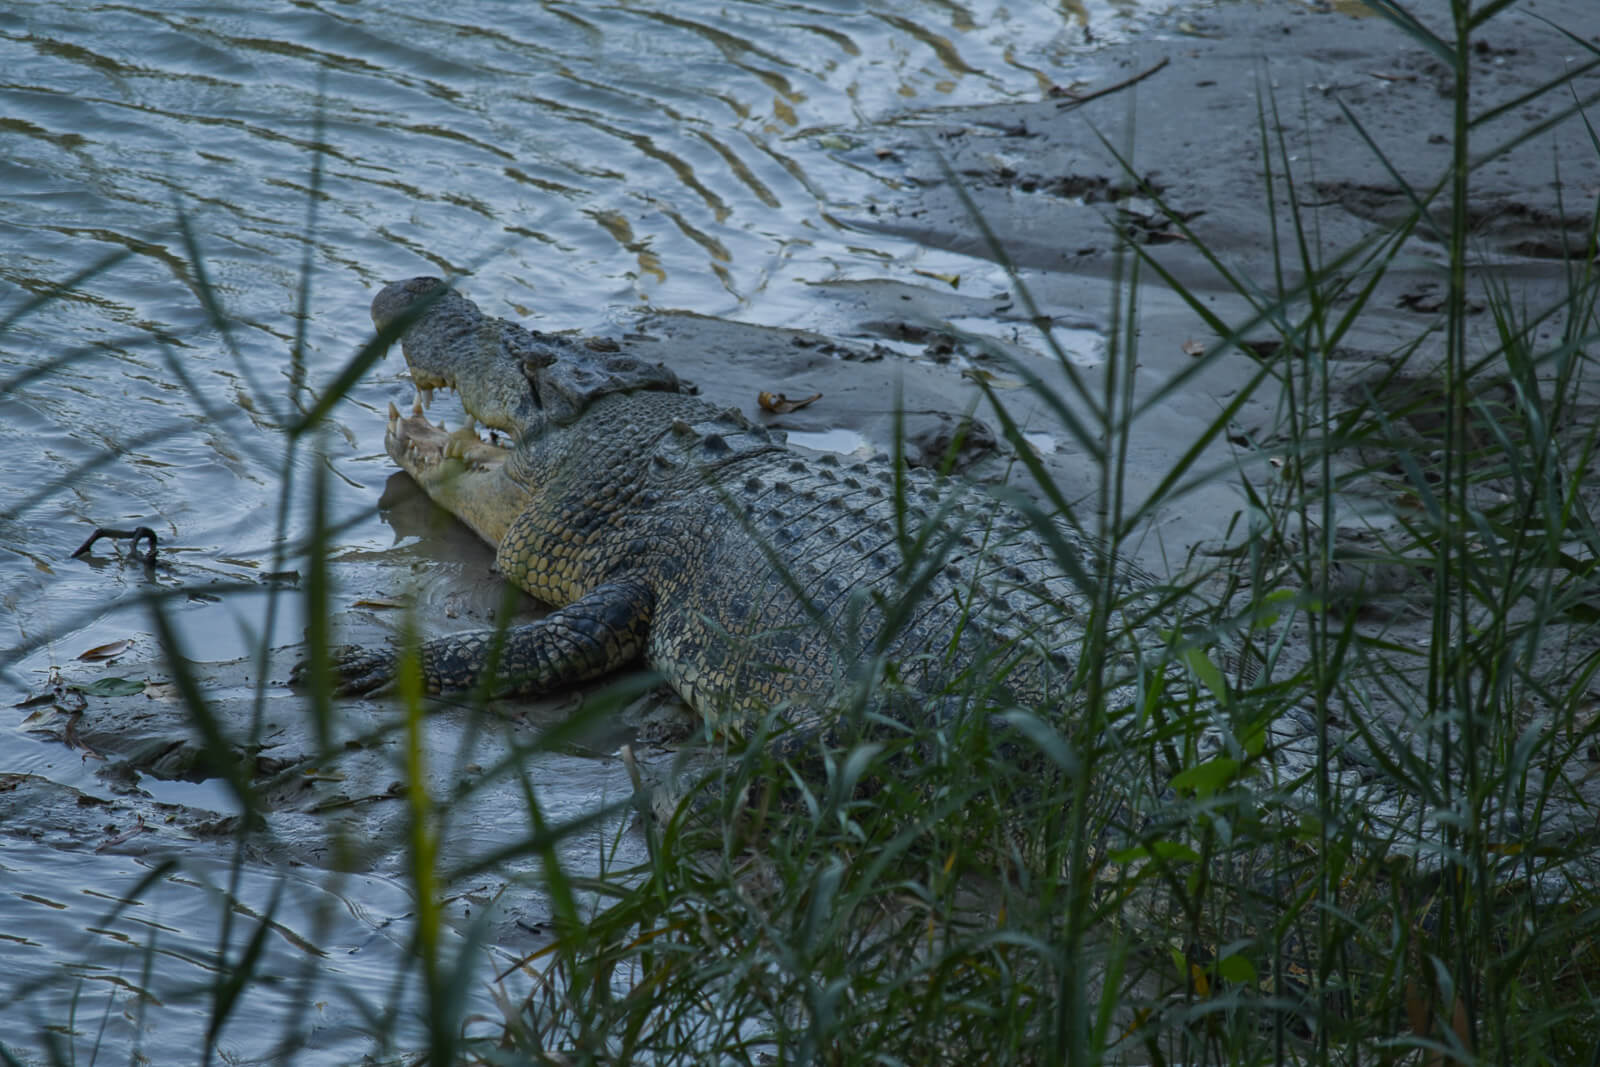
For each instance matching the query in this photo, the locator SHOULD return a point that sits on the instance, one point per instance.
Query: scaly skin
(660, 526)
(752, 577)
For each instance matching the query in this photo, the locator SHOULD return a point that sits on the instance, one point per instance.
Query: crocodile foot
(357, 671)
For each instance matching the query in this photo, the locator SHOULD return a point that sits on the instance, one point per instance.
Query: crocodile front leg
(599, 633)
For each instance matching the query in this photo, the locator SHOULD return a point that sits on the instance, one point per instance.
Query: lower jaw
(458, 470)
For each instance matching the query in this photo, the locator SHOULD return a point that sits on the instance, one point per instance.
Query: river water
(580, 161)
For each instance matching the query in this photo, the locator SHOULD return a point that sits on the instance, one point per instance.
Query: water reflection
(101, 969)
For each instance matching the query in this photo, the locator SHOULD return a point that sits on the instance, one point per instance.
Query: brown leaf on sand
(106, 651)
(379, 602)
(779, 404)
(952, 280)
(979, 374)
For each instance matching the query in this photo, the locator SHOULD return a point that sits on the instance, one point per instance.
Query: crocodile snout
(397, 300)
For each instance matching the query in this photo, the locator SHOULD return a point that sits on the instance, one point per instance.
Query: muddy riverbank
(1184, 104)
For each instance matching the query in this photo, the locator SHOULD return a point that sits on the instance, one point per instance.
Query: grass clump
(1159, 882)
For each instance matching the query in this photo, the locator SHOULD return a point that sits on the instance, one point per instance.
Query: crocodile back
(780, 576)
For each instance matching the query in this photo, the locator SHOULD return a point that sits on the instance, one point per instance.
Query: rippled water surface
(579, 160)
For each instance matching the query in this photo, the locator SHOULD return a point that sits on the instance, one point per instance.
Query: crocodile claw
(356, 671)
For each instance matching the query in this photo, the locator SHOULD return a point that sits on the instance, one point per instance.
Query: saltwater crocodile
(753, 577)
(665, 529)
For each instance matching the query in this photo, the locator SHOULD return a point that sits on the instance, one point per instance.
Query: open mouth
(458, 469)
(423, 448)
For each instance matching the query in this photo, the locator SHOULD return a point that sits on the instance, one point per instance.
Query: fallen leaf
(1192, 347)
(113, 687)
(106, 651)
(1408, 500)
(979, 374)
(376, 602)
(779, 404)
(952, 280)
(135, 831)
(70, 738)
(47, 697)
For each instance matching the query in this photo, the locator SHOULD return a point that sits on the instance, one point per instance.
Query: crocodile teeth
(394, 412)
(427, 396)
(416, 407)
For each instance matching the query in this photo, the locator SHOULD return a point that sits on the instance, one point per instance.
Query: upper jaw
(450, 343)
(399, 309)
(400, 304)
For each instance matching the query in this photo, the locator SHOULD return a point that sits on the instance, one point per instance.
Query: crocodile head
(509, 379)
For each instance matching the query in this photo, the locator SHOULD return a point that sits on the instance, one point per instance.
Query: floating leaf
(138, 828)
(113, 687)
(779, 404)
(1192, 347)
(106, 651)
(37, 699)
